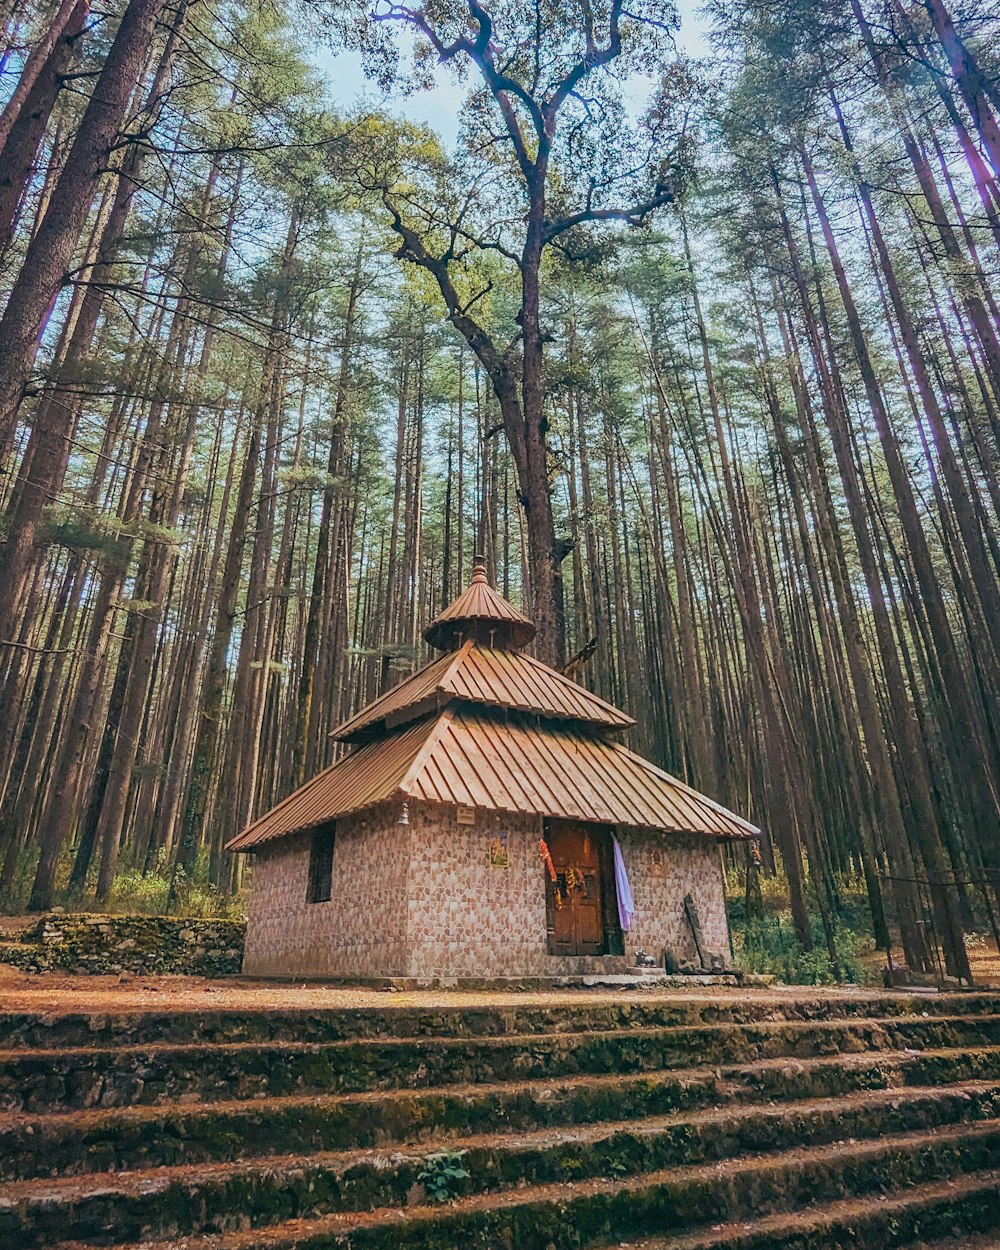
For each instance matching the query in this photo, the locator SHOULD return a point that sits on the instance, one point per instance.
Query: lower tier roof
(500, 763)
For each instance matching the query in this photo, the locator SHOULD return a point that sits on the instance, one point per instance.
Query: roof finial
(479, 569)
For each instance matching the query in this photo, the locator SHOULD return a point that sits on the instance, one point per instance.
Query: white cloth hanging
(626, 907)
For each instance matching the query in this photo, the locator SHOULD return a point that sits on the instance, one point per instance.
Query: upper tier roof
(482, 614)
(489, 676)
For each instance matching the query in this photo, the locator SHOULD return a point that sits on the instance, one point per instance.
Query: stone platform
(648, 979)
(231, 1117)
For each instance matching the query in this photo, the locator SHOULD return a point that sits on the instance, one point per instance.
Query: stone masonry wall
(465, 917)
(359, 932)
(102, 944)
(423, 900)
(468, 919)
(662, 870)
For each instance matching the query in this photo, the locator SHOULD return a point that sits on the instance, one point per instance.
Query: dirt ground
(985, 964)
(984, 960)
(52, 992)
(60, 992)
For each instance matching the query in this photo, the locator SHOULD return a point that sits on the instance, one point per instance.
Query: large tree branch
(496, 363)
(498, 82)
(418, 19)
(594, 58)
(479, 50)
(458, 230)
(635, 214)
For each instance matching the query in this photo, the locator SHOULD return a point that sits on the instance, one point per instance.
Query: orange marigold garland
(546, 858)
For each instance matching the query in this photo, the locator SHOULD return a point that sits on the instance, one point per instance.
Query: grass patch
(767, 944)
(136, 891)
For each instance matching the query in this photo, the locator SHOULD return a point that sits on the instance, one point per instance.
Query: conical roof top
(482, 614)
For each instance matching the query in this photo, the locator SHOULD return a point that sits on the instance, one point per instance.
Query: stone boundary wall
(139, 944)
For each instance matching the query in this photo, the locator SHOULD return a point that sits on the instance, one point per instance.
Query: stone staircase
(704, 1122)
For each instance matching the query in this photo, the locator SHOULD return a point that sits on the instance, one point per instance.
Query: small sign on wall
(499, 857)
(465, 815)
(657, 862)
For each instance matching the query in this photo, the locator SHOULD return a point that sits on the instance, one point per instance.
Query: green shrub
(148, 894)
(440, 1174)
(136, 891)
(767, 944)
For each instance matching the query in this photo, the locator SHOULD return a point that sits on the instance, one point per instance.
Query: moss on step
(130, 1138)
(39, 1079)
(66, 1029)
(734, 1141)
(970, 1206)
(191, 1201)
(592, 1214)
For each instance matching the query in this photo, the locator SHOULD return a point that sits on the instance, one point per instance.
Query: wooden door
(574, 899)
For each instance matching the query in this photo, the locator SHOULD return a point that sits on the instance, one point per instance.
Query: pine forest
(697, 344)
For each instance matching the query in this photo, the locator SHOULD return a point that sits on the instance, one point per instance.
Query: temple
(487, 823)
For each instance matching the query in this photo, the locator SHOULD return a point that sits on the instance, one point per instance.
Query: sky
(439, 107)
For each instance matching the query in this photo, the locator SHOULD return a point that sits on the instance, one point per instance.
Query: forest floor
(984, 960)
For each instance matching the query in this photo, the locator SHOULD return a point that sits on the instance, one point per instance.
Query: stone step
(138, 1137)
(986, 1241)
(189, 1200)
(588, 1213)
(44, 1079)
(895, 1220)
(568, 1013)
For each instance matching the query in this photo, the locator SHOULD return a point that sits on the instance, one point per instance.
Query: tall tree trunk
(978, 90)
(35, 68)
(923, 823)
(19, 149)
(49, 252)
(305, 750)
(208, 741)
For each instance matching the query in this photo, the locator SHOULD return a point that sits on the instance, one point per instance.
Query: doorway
(575, 900)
